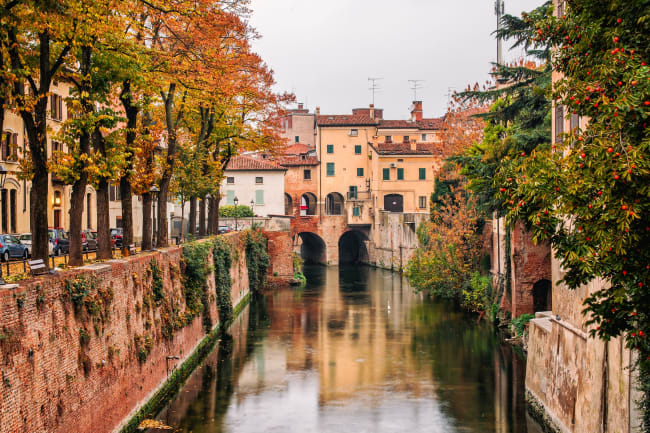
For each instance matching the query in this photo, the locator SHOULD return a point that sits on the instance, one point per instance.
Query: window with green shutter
(330, 169)
(330, 148)
(360, 171)
(423, 173)
(352, 194)
(356, 211)
(386, 173)
(230, 197)
(259, 196)
(400, 174)
(357, 149)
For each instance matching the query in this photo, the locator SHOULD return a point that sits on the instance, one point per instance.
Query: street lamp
(252, 212)
(3, 178)
(236, 201)
(154, 196)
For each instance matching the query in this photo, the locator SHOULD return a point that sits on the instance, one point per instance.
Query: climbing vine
(156, 281)
(257, 259)
(222, 257)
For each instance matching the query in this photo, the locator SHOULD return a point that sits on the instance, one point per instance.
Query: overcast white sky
(325, 50)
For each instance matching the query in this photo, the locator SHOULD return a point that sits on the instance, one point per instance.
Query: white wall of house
(245, 185)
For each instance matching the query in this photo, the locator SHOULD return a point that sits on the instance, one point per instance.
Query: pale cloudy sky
(325, 50)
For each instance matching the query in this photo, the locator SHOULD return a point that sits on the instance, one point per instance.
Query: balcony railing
(358, 196)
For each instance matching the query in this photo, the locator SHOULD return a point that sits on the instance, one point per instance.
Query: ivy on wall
(222, 259)
(257, 258)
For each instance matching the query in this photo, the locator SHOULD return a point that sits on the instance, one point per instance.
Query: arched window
(288, 204)
(334, 204)
(308, 204)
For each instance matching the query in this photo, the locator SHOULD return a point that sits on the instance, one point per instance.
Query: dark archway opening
(308, 204)
(334, 204)
(394, 203)
(288, 204)
(313, 249)
(542, 296)
(352, 248)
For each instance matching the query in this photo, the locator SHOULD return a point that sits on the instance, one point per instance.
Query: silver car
(26, 239)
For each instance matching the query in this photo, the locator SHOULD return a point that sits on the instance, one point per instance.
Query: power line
(374, 87)
(415, 86)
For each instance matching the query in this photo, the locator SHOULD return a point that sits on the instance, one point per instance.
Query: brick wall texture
(56, 378)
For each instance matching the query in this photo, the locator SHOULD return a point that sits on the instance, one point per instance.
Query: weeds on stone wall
(257, 258)
(156, 281)
(143, 346)
(222, 258)
(519, 324)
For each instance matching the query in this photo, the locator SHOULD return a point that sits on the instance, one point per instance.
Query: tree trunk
(126, 194)
(192, 223)
(104, 246)
(131, 110)
(146, 222)
(216, 212)
(211, 217)
(202, 217)
(161, 235)
(182, 222)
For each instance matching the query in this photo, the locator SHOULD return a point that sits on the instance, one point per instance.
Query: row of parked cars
(20, 246)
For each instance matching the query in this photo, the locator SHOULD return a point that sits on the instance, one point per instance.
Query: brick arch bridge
(328, 239)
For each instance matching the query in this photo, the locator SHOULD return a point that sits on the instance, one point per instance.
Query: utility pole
(374, 87)
(415, 86)
(499, 10)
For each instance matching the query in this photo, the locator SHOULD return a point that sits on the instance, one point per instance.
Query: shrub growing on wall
(222, 257)
(257, 259)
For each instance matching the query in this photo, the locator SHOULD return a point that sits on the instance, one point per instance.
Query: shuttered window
(230, 197)
(259, 196)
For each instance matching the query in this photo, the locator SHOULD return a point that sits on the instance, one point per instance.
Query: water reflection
(354, 351)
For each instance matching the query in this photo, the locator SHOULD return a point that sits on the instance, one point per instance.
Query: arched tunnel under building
(312, 249)
(352, 248)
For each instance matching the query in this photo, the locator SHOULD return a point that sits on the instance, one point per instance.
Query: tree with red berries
(590, 193)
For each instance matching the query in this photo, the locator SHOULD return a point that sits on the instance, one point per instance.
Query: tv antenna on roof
(374, 87)
(415, 86)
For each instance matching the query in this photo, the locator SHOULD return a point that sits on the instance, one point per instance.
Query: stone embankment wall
(393, 239)
(82, 349)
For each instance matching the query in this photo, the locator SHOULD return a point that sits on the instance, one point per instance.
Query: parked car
(26, 239)
(59, 240)
(10, 246)
(116, 237)
(88, 240)
(223, 229)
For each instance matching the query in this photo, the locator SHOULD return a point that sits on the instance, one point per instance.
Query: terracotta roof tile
(295, 161)
(346, 120)
(245, 163)
(296, 149)
(405, 149)
(428, 124)
(397, 124)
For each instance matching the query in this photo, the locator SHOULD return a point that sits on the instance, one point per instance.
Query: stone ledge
(544, 323)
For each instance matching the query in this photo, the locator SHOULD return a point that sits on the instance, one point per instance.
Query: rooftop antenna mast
(415, 86)
(374, 87)
(449, 94)
(499, 10)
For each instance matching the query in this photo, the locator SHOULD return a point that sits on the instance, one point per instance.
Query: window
(354, 132)
(5, 221)
(360, 171)
(12, 210)
(388, 139)
(330, 169)
(424, 137)
(114, 193)
(297, 139)
(259, 180)
(259, 196)
(56, 107)
(230, 197)
(407, 139)
(423, 202)
(559, 123)
(88, 209)
(330, 148)
(575, 122)
(400, 160)
(307, 174)
(352, 194)
(386, 173)
(230, 180)
(357, 149)
(9, 146)
(423, 173)
(356, 211)
(400, 174)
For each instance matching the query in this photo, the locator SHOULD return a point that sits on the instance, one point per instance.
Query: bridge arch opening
(334, 204)
(352, 247)
(308, 204)
(312, 249)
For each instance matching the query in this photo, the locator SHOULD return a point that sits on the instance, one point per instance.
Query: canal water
(357, 351)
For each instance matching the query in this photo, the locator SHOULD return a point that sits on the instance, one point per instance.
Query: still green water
(356, 350)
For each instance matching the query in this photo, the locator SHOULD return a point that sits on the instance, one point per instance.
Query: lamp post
(252, 212)
(154, 197)
(236, 201)
(3, 178)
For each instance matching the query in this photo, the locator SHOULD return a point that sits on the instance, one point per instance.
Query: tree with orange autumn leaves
(143, 72)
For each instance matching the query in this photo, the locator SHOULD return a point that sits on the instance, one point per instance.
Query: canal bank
(355, 350)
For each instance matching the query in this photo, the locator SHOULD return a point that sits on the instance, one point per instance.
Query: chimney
(372, 111)
(300, 106)
(318, 111)
(416, 111)
(414, 145)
